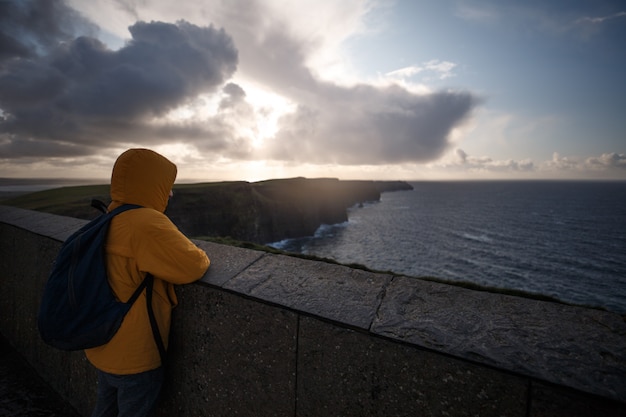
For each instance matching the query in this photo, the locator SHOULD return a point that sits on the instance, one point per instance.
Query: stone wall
(272, 335)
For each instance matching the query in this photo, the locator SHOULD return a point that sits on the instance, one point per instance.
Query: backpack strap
(149, 280)
(138, 291)
(99, 205)
(123, 208)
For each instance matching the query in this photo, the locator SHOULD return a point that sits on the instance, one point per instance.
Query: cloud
(344, 124)
(460, 164)
(607, 164)
(608, 160)
(74, 95)
(589, 27)
(70, 95)
(441, 69)
(487, 164)
(29, 27)
(406, 72)
(371, 125)
(477, 13)
(562, 163)
(554, 18)
(600, 19)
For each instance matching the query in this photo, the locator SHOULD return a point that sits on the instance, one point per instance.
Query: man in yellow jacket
(139, 242)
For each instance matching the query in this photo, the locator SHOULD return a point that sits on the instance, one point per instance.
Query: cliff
(259, 212)
(269, 211)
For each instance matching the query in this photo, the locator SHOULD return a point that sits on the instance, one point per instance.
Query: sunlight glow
(268, 108)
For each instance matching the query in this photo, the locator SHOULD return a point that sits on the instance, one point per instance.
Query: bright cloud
(591, 167)
(487, 164)
(613, 160)
(440, 69)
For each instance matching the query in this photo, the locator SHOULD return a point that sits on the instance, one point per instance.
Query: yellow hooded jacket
(141, 241)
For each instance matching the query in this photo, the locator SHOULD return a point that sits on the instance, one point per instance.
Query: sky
(352, 89)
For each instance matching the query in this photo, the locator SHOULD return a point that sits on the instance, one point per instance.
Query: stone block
(226, 261)
(342, 372)
(554, 401)
(231, 356)
(25, 263)
(44, 224)
(331, 291)
(13, 215)
(66, 228)
(581, 348)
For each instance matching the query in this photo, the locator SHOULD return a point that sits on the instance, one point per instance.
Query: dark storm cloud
(234, 95)
(29, 27)
(77, 93)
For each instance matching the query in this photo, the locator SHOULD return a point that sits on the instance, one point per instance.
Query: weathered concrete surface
(554, 401)
(23, 392)
(44, 224)
(335, 292)
(572, 346)
(226, 262)
(347, 373)
(22, 276)
(230, 356)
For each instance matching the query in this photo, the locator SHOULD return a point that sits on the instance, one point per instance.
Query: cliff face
(269, 211)
(261, 212)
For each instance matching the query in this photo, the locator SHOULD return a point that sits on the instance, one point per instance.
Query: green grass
(75, 201)
(52, 200)
(49, 199)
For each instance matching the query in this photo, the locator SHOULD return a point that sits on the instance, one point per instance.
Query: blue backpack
(78, 309)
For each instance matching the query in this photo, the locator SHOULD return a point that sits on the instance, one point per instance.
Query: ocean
(564, 239)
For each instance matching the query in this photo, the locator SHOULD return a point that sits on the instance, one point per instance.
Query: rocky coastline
(273, 210)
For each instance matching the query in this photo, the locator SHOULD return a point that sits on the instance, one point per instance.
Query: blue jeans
(127, 395)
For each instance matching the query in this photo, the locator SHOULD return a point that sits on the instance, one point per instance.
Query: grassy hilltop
(66, 201)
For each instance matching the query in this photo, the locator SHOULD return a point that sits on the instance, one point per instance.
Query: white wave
(478, 238)
(281, 244)
(329, 229)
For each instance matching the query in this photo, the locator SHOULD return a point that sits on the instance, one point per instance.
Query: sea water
(559, 238)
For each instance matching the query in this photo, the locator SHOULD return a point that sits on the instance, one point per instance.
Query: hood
(142, 176)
